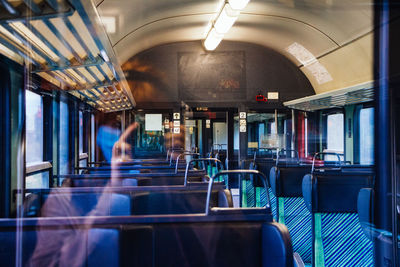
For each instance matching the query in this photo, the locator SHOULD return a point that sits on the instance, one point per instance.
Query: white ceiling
(329, 29)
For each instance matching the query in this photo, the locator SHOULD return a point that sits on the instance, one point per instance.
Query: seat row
(319, 207)
(219, 235)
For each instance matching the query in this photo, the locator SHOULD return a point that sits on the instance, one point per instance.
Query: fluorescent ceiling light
(226, 19)
(109, 24)
(213, 39)
(238, 4)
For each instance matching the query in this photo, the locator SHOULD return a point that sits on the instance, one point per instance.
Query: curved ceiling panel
(323, 28)
(131, 15)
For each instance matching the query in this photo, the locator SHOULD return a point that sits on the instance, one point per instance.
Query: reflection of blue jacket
(106, 138)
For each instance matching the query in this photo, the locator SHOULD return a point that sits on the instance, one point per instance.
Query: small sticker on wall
(243, 122)
(273, 95)
(242, 128)
(177, 116)
(177, 123)
(177, 130)
(242, 115)
(208, 124)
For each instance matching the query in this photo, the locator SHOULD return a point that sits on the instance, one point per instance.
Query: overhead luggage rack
(360, 93)
(61, 42)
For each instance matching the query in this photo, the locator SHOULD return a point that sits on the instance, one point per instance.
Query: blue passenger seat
(331, 197)
(79, 204)
(92, 248)
(286, 186)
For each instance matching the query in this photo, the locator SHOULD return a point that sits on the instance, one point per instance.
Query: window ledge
(38, 166)
(83, 156)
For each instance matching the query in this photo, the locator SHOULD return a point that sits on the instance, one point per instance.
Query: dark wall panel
(232, 75)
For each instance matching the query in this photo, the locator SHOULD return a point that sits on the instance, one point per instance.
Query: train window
(272, 128)
(80, 132)
(366, 139)
(34, 127)
(64, 141)
(306, 137)
(39, 180)
(34, 140)
(236, 133)
(92, 137)
(335, 136)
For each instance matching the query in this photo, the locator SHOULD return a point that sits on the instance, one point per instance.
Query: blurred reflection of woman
(107, 135)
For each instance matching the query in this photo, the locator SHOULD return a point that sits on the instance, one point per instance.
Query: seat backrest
(138, 202)
(331, 196)
(286, 181)
(365, 209)
(178, 202)
(93, 247)
(158, 241)
(290, 208)
(334, 191)
(82, 204)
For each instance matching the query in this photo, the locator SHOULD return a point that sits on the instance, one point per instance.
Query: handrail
(202, 160)
(324, 153)
(286, 150)
(184, 154)
(240, 172)
(176, 151)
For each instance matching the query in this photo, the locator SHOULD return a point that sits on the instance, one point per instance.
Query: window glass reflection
(335, 133)
(64, 144)
(34, 127)
(367, 136)
(80, 132)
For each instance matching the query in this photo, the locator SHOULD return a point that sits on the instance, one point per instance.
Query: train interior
(199, 133)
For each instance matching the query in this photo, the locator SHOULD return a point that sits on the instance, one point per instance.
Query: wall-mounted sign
(243, 123)
(252, 144)
(273, 95)
(177, 130)
(177, 123)
(242, 128)
(242, 115)
(177, 116)
(208, 124)
(190, 123)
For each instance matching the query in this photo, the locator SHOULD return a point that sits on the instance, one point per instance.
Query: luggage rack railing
(63, 66)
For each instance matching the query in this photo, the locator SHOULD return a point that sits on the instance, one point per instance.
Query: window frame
(46, 164)
(357, 132)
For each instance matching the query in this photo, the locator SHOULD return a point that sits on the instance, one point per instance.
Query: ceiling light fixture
(238, 4)
(222, 24)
